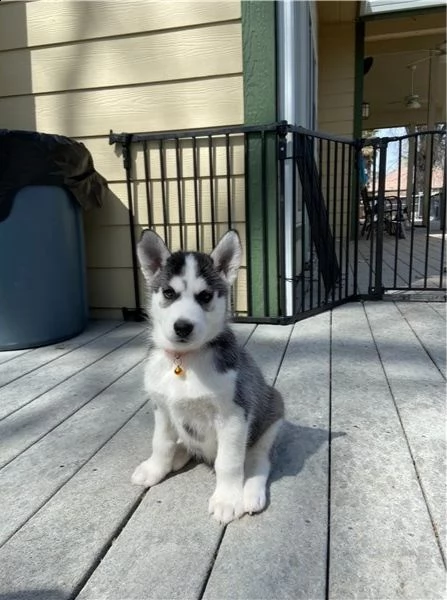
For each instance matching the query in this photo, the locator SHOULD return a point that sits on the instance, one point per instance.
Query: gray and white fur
(217, 407)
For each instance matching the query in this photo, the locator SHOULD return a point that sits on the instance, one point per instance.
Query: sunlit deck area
(357, 496)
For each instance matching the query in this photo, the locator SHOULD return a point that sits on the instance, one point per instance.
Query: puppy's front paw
(148, 473)
(254, 497)
(226, 504)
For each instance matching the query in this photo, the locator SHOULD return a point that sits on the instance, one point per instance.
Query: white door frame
(293, 36)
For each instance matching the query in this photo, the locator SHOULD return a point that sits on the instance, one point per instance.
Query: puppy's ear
(227, 255)
(152, 254)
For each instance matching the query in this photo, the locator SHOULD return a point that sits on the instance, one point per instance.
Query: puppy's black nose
(183, 328)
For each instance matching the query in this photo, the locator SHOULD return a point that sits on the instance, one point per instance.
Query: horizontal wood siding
(142, 59)
(173, 105)
(336, 114)
(57, 22)
(336, 55)
(82, 68)
(117, 215)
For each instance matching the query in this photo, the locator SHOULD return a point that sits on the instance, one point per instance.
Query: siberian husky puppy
(210, 399)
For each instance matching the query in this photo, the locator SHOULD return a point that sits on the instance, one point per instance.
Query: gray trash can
(42, 269)
(45, 182)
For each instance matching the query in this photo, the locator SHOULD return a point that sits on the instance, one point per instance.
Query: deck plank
(387, 269)
(170, 527)
(88, 511)
(31, 361)
(9, 355)
(378, 515)
(29, 424)
(158, 538)
(83, 527)
(267, 345)
(362, 273)
(404, 256)
(440, 308)
(429, 327)
(281, 553)
(52, 461)
(243, 332)
(403, 260)
(20, 392)
(432, 253)
(419, 391)
(55, 549)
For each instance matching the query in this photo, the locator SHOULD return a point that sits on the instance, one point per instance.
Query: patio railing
(294, 196)
(414, 218)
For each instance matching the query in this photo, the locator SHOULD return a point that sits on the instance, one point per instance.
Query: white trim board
(376, 7)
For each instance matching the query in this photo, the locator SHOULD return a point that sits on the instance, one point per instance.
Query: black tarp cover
(31, 158)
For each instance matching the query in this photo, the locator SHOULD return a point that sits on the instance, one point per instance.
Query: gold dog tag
(178, 366)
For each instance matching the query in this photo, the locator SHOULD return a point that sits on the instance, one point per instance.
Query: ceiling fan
(412, 101)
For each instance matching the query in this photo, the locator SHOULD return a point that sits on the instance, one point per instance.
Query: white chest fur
(196, 401)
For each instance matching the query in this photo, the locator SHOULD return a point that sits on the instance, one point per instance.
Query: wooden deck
(413, 262)
(357, 495)
(408, 266)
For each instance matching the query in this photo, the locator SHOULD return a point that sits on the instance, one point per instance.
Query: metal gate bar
(406, 230)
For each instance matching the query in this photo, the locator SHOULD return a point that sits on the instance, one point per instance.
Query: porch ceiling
(395, 44)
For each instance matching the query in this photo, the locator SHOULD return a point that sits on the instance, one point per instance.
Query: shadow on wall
(92, 71)
(97, 222)
(86, 22)
(17, 106)
(108, 247)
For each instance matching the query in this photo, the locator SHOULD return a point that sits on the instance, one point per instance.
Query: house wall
(82, 68)
(336, 80)
(336, 84)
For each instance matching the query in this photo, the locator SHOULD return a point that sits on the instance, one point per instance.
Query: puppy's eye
(169, 294)
(204, 297)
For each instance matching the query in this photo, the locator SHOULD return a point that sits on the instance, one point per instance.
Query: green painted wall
(259, 61)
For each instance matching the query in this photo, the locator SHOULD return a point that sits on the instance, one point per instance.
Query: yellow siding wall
(82, 68)
(336, 82)
(336, 55)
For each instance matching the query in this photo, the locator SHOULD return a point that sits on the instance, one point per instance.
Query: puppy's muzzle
(183, 329)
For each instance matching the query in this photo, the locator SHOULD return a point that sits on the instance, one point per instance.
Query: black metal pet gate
(323, 219)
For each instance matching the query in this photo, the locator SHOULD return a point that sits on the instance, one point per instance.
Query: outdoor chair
(394, 217)
(369, 213)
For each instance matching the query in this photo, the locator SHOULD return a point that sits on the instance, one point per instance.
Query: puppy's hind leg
(257, 469)
(181, 457)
